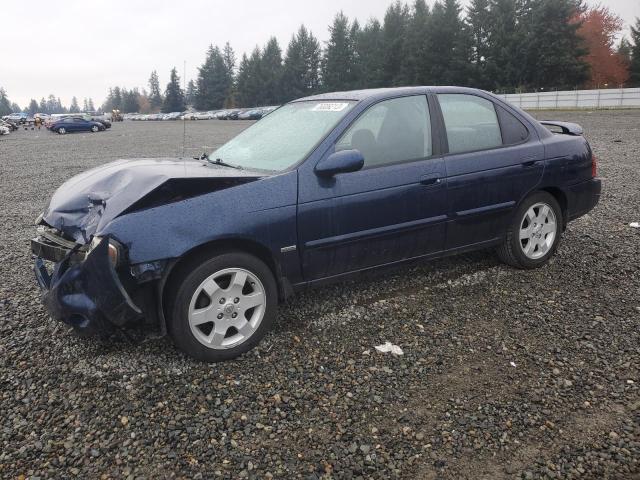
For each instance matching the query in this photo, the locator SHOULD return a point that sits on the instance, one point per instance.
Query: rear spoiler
(566, 127)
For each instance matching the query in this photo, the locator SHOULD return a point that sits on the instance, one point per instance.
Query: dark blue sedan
(321, 189)
(76, 124)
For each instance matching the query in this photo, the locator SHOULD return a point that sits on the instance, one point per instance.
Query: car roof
(381, 93)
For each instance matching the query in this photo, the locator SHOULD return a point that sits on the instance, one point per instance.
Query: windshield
(284, 137)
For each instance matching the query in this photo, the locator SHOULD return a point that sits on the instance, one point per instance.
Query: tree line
(47, 106)
(497, 45)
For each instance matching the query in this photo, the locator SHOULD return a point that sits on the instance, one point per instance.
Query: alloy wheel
(538, 230)
(227, 308)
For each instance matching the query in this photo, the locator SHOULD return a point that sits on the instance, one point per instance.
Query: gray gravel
(505, 374)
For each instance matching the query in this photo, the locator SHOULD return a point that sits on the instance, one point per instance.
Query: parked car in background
(76, 124)
(100, 119)
(322, 189)
(17, 117)
(253, 114)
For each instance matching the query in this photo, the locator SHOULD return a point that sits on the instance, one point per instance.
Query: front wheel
(62, 131)
(534, 233)
(221, 307)
(95, 128)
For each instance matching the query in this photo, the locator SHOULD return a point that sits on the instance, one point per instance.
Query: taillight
(594, 166)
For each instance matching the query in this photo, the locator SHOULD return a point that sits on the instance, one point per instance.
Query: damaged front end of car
(83, 288)
(88, 277)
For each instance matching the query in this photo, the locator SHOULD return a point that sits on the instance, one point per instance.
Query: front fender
(263, 211)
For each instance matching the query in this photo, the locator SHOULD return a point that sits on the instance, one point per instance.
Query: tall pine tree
(416, 58)
(214, 81)
(479, 21)
(552, 52)
(368, 44)
(300, 75)
(155, 97)
(338, 56)
(396, 21)
(450, 44)
(173, 96)
(271, 69)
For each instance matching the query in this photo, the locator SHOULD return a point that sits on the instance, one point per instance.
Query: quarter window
(471, 123)
(391, 131)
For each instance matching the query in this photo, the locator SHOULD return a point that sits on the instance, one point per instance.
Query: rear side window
(513, 130)
(471, 122)
(392, 131)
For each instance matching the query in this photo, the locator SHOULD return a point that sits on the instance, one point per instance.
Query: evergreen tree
(190, 94)
(15, 107)
(214, 81)
(553, 51)
(130, 101)
(300, 76)
(173, 96)
(5, 104)
(450, 44)
(271, 69)
(479, 24)
(505, 46)
(33, 107)
(42, 107)
(370, 63)
(396, 21)
(229, 58)
(338, 56)
(116, 100)
(155, 97)
(416, 59)
(74, 108)
(249, 80)
(634, 66)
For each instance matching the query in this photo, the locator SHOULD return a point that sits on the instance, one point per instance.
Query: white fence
(608, 98)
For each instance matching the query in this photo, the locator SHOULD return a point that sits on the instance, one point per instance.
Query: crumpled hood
(84, 204)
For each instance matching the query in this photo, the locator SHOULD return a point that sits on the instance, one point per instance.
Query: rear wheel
(534, 233)
(62, 130)
(221, 307)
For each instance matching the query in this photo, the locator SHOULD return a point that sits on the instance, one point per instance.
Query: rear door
(392, 209)
(493, 160)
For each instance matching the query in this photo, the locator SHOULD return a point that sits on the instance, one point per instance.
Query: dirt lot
(506, 374)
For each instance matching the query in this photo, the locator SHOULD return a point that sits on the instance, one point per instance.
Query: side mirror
(340, 162)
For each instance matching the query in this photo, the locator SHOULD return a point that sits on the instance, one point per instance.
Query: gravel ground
(505, 373)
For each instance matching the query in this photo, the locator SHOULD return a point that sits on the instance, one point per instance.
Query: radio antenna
(184, 92)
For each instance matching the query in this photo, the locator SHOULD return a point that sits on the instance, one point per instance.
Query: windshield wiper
(218, 161)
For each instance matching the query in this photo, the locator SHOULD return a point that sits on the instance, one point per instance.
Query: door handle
(430, 180)
(529, 163)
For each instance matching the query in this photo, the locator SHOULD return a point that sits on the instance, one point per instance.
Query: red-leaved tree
(599, 29)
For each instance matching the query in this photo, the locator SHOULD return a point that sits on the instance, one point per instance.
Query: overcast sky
(81, 48)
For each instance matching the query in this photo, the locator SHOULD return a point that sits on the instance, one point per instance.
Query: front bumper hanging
(87, 295)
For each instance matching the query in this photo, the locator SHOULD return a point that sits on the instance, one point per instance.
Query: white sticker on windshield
(329, 107)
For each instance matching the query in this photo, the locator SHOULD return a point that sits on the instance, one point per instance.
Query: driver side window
(391, 131)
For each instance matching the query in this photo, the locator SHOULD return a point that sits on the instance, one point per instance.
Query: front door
(392, 209)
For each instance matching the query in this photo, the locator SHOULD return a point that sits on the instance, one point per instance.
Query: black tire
(511, 251)
(183, 285)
